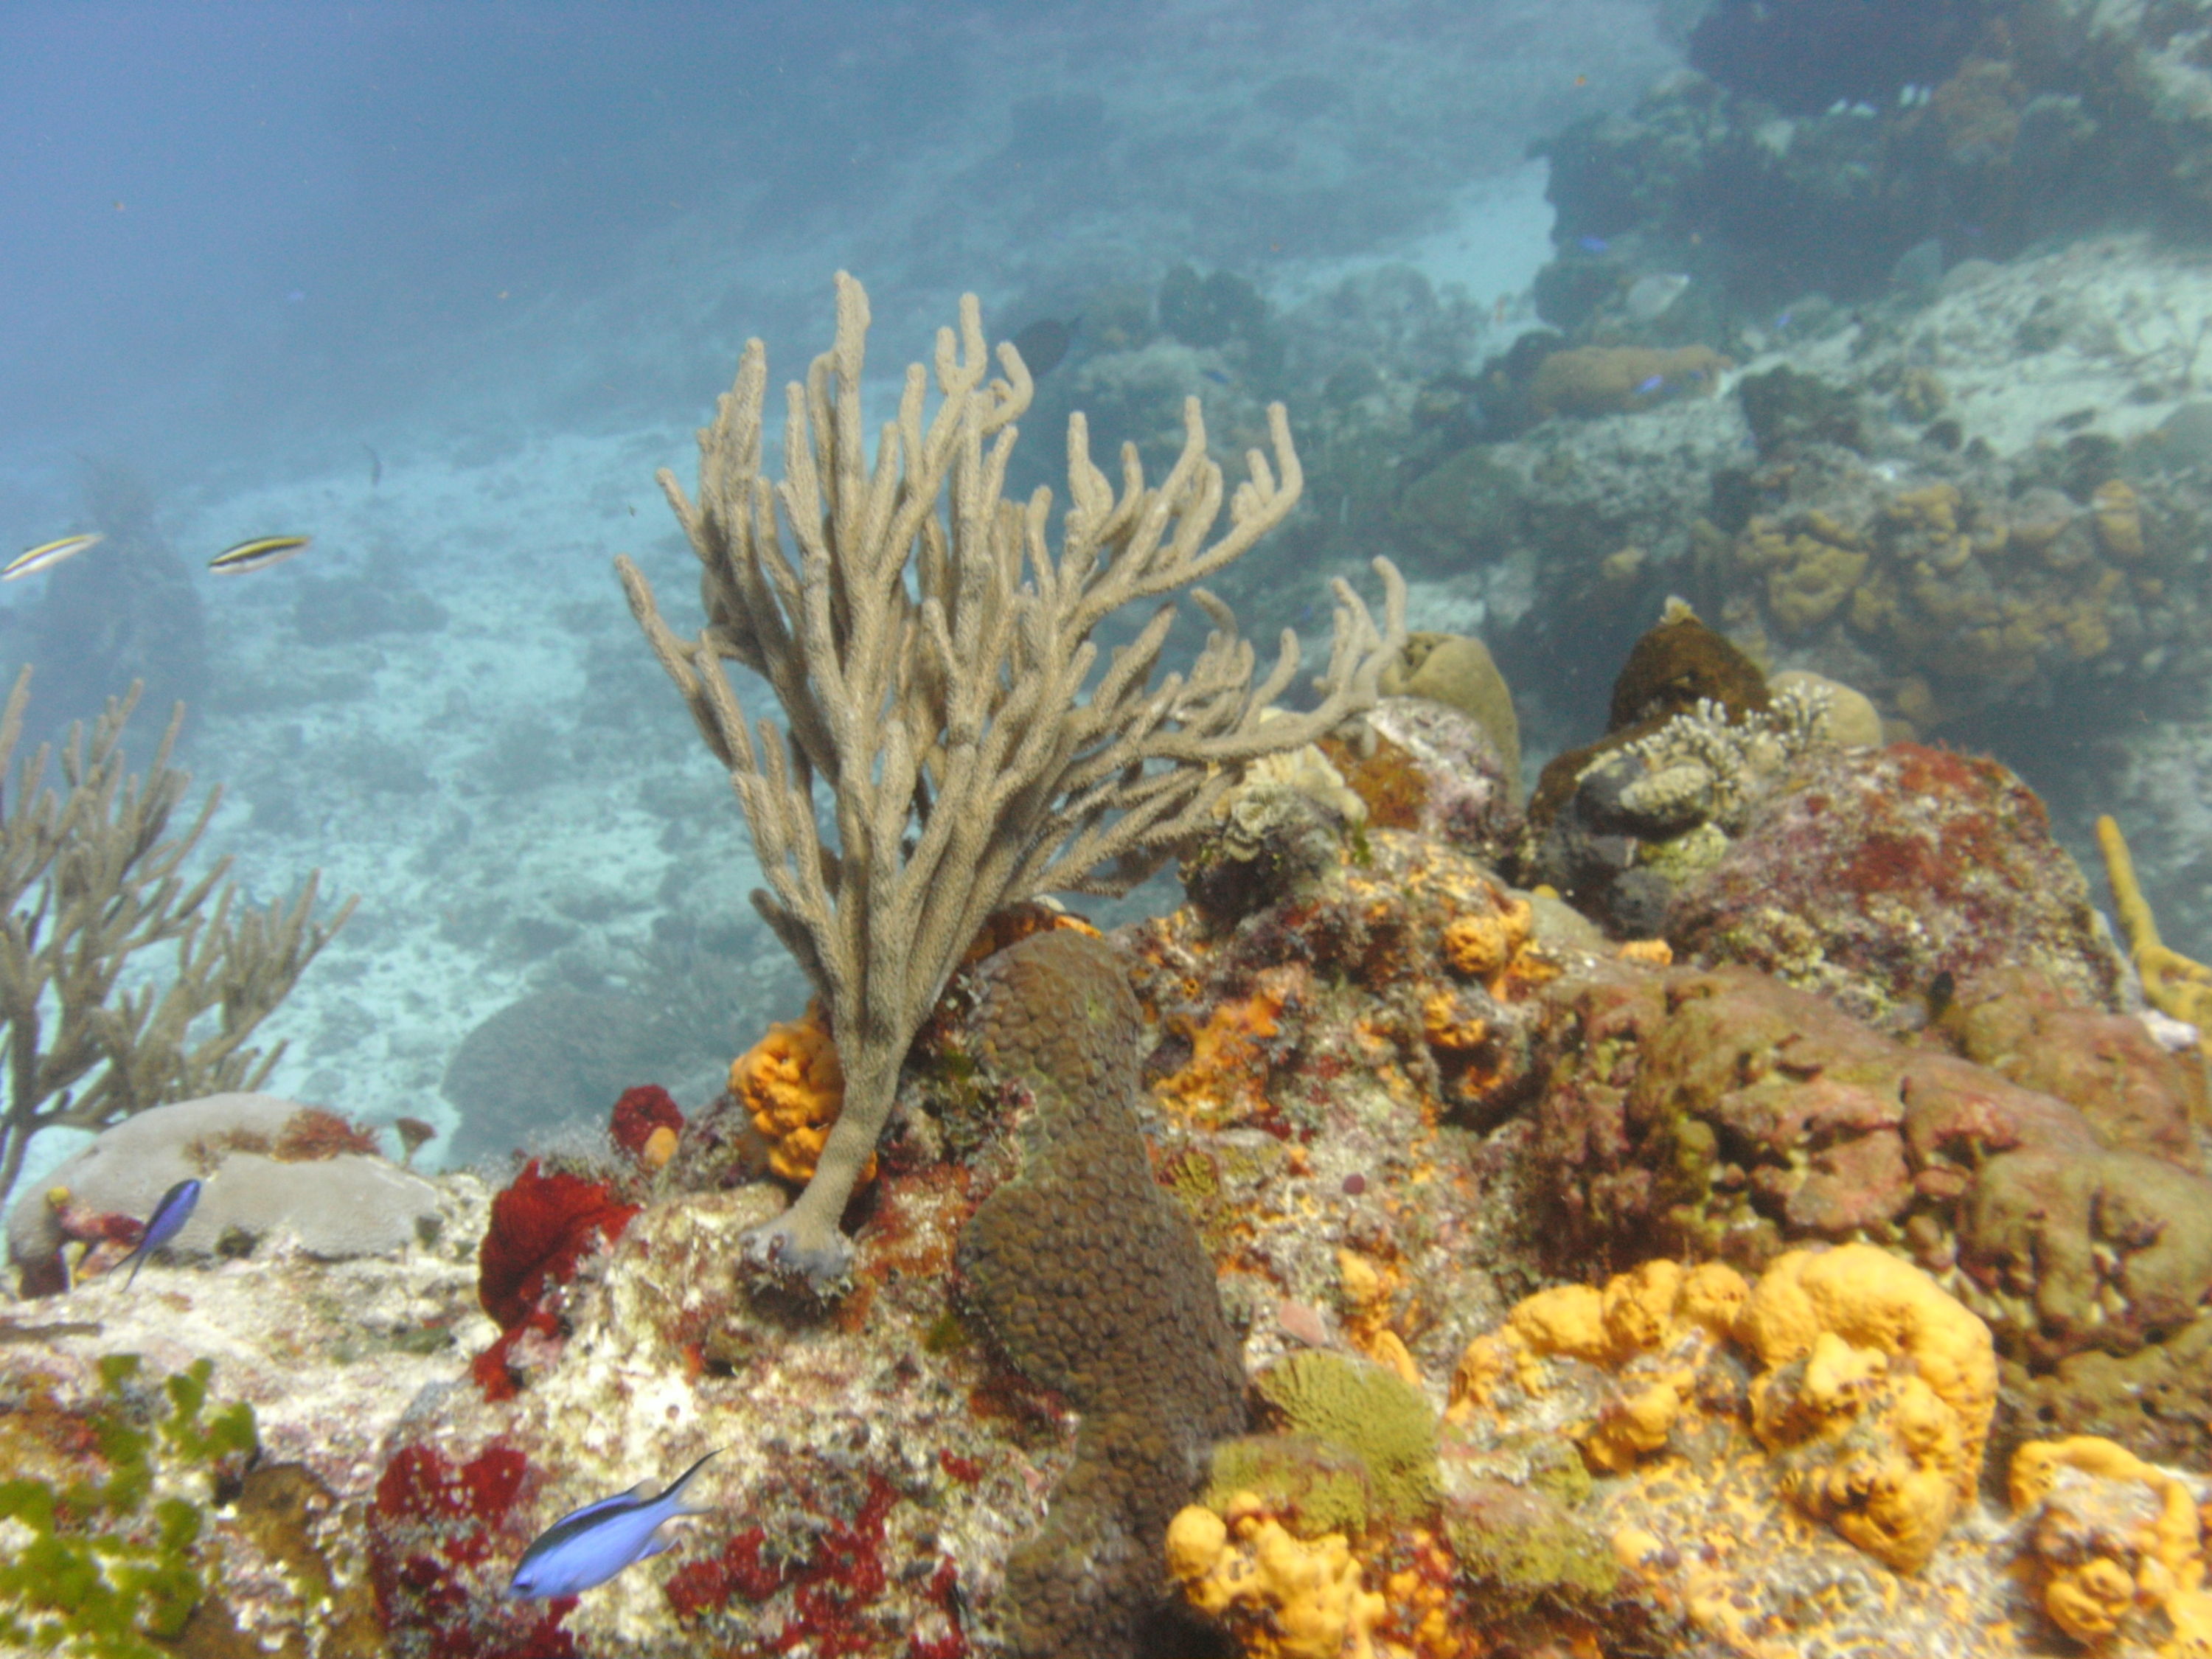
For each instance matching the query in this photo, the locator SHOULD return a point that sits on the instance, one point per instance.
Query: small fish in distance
(589, 1547)
(167, 1220)
(45, 556)
(1646, 388)
(259, 553)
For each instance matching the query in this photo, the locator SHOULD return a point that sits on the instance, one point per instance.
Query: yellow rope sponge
(2176, 986)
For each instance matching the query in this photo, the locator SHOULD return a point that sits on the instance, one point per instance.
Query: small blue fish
(1591, 244)
(589, 1547)
(168, 1218)
(1219, 377)
(1651, 386)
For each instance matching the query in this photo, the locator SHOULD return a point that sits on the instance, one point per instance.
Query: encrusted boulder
(1869, 874)
(1718, 1113)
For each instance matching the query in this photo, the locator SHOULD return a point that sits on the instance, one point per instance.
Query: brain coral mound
(1090, 1280)
(1871, 871)
(269, 1165)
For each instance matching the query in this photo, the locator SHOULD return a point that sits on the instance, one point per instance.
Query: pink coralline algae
(1872, 871)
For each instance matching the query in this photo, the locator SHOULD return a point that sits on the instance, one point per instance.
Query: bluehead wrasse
(589, 1547)
(259, 553)
(45, 556)
(1651, 386)
(168, 1217)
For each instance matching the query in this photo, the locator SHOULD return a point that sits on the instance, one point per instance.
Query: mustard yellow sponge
(1773, 1463)
(1877, 1395)
(1282, 1597)
(2116, 1547)
(1653, 1327)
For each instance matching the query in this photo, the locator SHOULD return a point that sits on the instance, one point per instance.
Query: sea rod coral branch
(89, 876)
(936, 674)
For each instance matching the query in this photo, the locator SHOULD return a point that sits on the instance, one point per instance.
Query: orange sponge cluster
(791, 1082)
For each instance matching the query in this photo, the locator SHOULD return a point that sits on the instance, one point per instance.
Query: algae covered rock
(1723, 1113)
(1872, 871)
(1432, 767)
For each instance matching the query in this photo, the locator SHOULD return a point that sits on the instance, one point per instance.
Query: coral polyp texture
(1092, 1282)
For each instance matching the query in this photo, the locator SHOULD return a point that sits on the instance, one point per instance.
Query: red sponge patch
(539, 1228)
(639, 1112)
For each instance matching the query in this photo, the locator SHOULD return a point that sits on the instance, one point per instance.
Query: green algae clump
(110, 1570)
(1373, 1413)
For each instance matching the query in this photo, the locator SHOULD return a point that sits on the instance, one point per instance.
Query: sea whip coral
(972, 758)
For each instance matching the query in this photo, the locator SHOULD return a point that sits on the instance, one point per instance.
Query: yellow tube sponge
(2116, 1547)
(2174, 984)
(1282, 1597)
(1876, 1397)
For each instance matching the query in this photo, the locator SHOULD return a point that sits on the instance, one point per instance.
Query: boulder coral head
(1090, 1280)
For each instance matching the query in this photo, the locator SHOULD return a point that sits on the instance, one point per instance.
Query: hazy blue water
(506, 254)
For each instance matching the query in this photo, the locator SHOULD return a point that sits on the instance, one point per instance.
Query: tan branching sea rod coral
(935, 672)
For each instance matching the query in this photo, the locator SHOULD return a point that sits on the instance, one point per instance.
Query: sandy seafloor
(518, 794)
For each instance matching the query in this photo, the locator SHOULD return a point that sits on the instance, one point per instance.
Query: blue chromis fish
(589, 1547)
(45, 556)
(168, 1218)
(259, 553)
